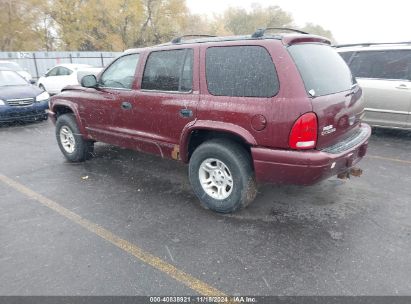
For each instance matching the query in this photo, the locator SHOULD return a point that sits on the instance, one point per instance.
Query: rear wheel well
(197, 137)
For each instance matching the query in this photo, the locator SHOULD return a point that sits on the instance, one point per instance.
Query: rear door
(63, 78)
(166, 101)
(335, 97)
(385, 78)
(58, 78)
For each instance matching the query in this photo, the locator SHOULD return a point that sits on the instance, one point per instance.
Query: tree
(130, 17)
(89, 25)
(164, 19)
(318, 30)
(238, 21)
(115, 25)
(17, 20)
(69, 22)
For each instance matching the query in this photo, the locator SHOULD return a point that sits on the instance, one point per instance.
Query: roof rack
(179, 39)
(371, 43)
(260, 32)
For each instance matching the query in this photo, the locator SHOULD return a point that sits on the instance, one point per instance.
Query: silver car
(384, 73)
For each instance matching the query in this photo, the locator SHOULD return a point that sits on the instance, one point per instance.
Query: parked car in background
(20, 100)
(63, 75)
(10, 65)
(383, 70)
(278, 108)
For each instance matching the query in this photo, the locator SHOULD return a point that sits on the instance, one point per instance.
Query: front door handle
(126, 105)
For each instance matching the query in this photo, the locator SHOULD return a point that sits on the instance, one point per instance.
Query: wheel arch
(202, 131)
(61, 107)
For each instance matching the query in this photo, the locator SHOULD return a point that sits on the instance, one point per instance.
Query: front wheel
(71, 143)
(222, 176)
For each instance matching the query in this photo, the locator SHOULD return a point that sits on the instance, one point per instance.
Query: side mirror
(89, 81)
(32, 81)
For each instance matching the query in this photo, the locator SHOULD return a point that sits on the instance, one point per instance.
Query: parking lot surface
(126, 223)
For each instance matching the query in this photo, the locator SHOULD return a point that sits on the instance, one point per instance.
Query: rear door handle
(126, 105)
(186, 112)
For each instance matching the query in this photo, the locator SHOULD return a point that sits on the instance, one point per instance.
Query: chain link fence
(37, 63)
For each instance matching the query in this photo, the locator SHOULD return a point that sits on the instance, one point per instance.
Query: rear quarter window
(241, 71)
(346, 56)
(390, 64)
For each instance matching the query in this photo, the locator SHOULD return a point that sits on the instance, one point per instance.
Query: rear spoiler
(295, 39)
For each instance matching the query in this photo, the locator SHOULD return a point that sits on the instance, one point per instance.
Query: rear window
(323, 71)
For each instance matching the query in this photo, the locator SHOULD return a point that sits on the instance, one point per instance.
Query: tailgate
(335, 96)
(339, 116)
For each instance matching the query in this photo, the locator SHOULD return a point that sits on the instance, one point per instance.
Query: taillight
(304, 132)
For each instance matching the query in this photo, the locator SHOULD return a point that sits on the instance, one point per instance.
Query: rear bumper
(308, 167)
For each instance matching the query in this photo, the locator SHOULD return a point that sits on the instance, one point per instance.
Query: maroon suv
(279, 108)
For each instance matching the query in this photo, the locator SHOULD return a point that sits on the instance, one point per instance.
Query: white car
(10, 65)
(63, 75)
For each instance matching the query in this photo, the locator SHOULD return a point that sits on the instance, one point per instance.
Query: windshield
(10, 78)
(323, 71)
(10, 65)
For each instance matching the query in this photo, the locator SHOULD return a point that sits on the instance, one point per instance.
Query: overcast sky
(349, 20)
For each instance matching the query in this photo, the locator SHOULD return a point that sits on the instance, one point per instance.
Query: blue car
(20, 100)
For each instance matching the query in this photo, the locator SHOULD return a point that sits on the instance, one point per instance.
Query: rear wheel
(222, 176)
(71, 143)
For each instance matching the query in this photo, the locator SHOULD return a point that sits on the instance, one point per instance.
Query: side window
(382, 64)
(242, 71)
(169, 71)
(120, 74)
(346, 56)
(62, 71)
(52, 72)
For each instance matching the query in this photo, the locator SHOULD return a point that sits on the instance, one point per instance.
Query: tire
(224, 160)
(76, 148)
